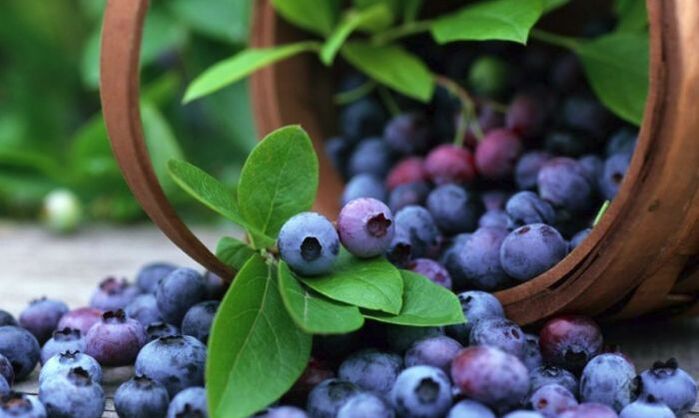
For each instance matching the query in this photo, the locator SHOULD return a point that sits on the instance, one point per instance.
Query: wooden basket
(642, 257)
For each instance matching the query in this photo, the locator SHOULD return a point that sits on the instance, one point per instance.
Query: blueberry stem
(355, 94)
(468, 109)
(601, 212)
(554, 39)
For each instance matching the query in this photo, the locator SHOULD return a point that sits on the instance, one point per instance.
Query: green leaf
(393, 66)
(314, 313)
(411, 10)
(256, 352)
(161, 143)
(550, 5)
(215, 196)
(506, 20)
(377, 16)
(368, 283)
(313, 15)
(424, 304)
(616, 66)
(279, 180)
(241, 65)
(233, 252)
(632, 15)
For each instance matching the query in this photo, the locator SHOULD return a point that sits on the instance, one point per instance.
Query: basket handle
(119, 92)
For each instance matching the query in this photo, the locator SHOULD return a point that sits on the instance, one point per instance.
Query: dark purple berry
(20, 347)
(569, 143)
(407, 133)
(669, 384)
(408, 195)
(526, 208)
(161, 329)
(615, 168)
(408, 170)
(141, 397)
(371, 156)
(436, 351)
(337, 150)
(593, 167)
(177, 362)
(62, 363)
(526, 115)
(450, 164)
(499, 333)
(497, 154)
(309, 244)
(113, 294)
(566, 73)
(551, 400)
(364, 185)
(371, 370)
(454, 209)
(81, 319)
(21, 405)
(361, 119)
(189, 403)
(565, 183)
(366, 405)
(490, 376)
(587, 115)
(570, 341)
(417, 225)
(546, 375)
(144, 309)
(148, 277)
(66, 339)
(41, 317)
(477, 306)
(198, 320)
(531, 250)
(6, 370)
(179, 291)
(432, 270)
(421, 392)
(326, 399)
(527, 168)
(6, 318)
(4, 386)
(532, 353)
(477, 263)
(215, 286)
(578, 238)
(116, 340)
(622, 142)
(609, 379)
(366, 227)
(316, 371)
(72, 395)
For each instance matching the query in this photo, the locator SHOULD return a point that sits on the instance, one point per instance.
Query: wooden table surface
(34, 263)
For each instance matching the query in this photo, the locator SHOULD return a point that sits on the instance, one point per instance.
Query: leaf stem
(468, 109)
(355, 94)
(554, 39)
(601, 212)
(389, 101)
(406, 29)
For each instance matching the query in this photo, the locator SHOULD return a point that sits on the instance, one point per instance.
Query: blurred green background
(52, 136)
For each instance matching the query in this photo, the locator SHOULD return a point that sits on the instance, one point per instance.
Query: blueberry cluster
(487, 368)
(160, 325)
(495, 193)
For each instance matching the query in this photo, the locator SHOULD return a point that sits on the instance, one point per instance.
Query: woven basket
(643, 257)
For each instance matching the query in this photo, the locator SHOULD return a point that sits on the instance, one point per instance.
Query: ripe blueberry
(531, 250)
(177, 362)
(74, 394)
(282, 412)
(41, 317)
(66, 339)
(61, 364)
(144, 309)
(436, 351)
(148, 277)
(326, 399)
(647, 408)
(421, 392)
(215, 286)
(113, 294)
(309, 243)
(363, 185)
(417, 225)
(523, 414)
(552, 399)
(371, 370)
(546, 375)
(361, 118)
(161, 329)
(589, 410)
(450, 164)
(198, 319)
(189, 403)
(400, 338)
(407, 133)
(366, 227)
(366, 405)
(499, 333)
(578, 238)
(470, 409)
(613, 172)
(408, 194)
(453, 208)
(179, 291)
(316, 372)
(371, 156)
(527, 168)
(20, 347)
(669, 384)
(116, 340)
(494, 218)
(432, 270)
(497, 154)
(6, 318)
(141, 397)
(477, 306)
(6, 370)
(623, 141)
(81, 319)
(477, 263)
(532, 353)
(565, 183)
(609, 379)
(570, 341)
(526, 208)
(20, 405)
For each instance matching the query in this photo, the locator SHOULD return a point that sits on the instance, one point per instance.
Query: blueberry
(488, 75)
(584, 113)
(4, 386)
(177, 292)
(189, 403)
(494, 199)
(407, 195)
(20, 405)
(282, 412)
(116, 340)
(309, 243)
(362, 118)
(144, 309)
(156, 330)
(552, 399)
(415, 227)
(20, 347)
(569, 143)
(566, 73)
(316, 371)
(546, 375)
(436, 351)
(526, 115)
(608, 379)
(589, 410)
(615, 168)
(41, 317)
(408, 170)
(371, 370)
(113, 294)
(570, 341)
(647, 408)
(523, 414)
(532, 357)
(432, 270)
(6, 370)
(60, 364)
(407, 133)
(477, 306)
(499, 333)
(364, 185)
(371, 156)
(400, 338)
(326, 399)
(451, 249)
(6, 318)
(477, 264)
(215, 286)
(527, 168)
(81, 319)
(578, 238)
(669, 384)
(74, 394)
(450, 164)
(490, 376)
(565, 183)
(66, 339)
(531, 250)
(497, 154)
(198, 320)
(421, 392)
(177, 362)
(141, 397)
(470, 409)
(494, 218)
(453, 208)
(593, 167)
(337, 149)
(148, 277)
(526, 208)
(366, 405)
(623, 141)
(366, 227)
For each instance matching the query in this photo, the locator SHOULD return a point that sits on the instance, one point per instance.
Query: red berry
(526, 115)
(570, 341)
(408, 170)
(497, 154)
(450, 164)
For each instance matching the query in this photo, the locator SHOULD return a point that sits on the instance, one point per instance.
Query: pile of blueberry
(504, 199)
(159, 325)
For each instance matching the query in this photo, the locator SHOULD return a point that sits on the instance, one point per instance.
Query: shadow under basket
(643, 256)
